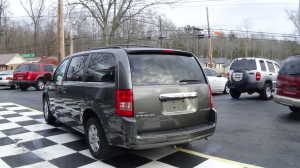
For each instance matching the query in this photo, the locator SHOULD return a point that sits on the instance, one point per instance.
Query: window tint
(34, 67)
(244, 64)
(291, 67)
(101, 68)
(262, 65)
(48, 68)
(159, 69)
(59, 73)
(270, 66)
(277, 68)
(22, 68)
(75, 70)
(213, 73)
(206, 71)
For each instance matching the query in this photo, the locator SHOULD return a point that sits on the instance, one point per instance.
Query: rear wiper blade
(294, 74)
(186, 80)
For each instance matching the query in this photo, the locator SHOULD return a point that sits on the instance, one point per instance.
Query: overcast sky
(262, 15)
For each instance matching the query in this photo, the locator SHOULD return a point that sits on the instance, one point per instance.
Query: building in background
(10, 61)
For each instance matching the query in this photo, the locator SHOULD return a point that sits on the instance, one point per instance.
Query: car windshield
(156, 69)
(243, 64)
(9, 72)
(291, 67)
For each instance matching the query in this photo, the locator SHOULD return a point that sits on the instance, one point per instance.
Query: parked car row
(26, 75)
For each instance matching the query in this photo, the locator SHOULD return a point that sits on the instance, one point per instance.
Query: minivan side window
(75, 70)
(271, 66)
(60, 71)
(262, 65)
(101, 68)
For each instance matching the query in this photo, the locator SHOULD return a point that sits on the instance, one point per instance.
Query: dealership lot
(250, 132)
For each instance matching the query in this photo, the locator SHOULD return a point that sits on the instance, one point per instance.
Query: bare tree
(4, 5)
(34, 9)
(111, 14)
(294, 16)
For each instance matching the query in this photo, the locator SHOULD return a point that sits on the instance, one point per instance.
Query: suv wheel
(226, 89)
(49, 118)
(24, 87)
(40, 84)
(234, 93)
(96, 139)
(266, 93)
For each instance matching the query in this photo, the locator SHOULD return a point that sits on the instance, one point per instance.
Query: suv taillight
(228, 75)
(258, 76)
(211, 102)
(124, 102)
(8, 78)
(28, 76)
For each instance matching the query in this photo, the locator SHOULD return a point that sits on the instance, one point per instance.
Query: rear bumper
(173, 137)
(6, 82)
(257, 86)
(287, 101)
(24, 82)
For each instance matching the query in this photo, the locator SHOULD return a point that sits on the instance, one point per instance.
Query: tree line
(98, 23)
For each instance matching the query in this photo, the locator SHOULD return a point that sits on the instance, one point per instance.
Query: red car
(32, 74)
(288, 84)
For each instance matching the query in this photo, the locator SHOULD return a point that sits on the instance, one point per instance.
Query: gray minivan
(134, 98)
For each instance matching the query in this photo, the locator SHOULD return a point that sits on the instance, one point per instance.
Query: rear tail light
(124, 102)
(8, 78)
(258, 76)
(211, 102)
(228, 75)
(29, 75)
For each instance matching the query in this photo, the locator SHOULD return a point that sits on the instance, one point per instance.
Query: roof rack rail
(120, 46)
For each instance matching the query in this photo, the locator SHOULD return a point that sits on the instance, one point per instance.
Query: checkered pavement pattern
(26, 141)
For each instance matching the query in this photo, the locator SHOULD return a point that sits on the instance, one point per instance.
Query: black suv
(131, 97)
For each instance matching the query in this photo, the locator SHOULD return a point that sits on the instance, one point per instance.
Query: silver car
(6, 79)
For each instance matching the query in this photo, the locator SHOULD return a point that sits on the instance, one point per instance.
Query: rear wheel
(266, 93)
(234, 93)
(40, 84)
(294, 109)
(49, 118)
(96, 140)
(24, 87)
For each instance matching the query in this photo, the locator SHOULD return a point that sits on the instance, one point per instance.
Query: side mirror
(48, 77)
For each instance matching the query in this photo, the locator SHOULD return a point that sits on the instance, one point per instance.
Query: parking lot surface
(250, 133)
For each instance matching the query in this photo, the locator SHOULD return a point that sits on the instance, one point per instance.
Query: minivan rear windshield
(244, 64)
(291, 67)
(159, 69)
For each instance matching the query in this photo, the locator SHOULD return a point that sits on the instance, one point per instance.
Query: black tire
(24, 87)
(235, 93)
(48, 116)
(39, 84)
(266, 93)
(96, 140)
(226, 89)
(294, 109)
(242, 81)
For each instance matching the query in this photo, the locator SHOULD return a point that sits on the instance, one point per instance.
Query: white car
(217, 82)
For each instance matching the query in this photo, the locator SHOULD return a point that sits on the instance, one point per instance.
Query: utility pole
(60, 32)
(160, 32)
(209, 41)
(71, 36)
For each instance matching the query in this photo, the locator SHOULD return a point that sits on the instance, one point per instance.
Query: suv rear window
(22, 68)
(244, 64)
(290, 67)
(157, 69)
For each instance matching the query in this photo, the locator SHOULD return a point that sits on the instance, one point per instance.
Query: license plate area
(180, 106)
(237, 76)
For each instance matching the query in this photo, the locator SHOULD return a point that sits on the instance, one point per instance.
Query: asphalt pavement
(249, 130)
